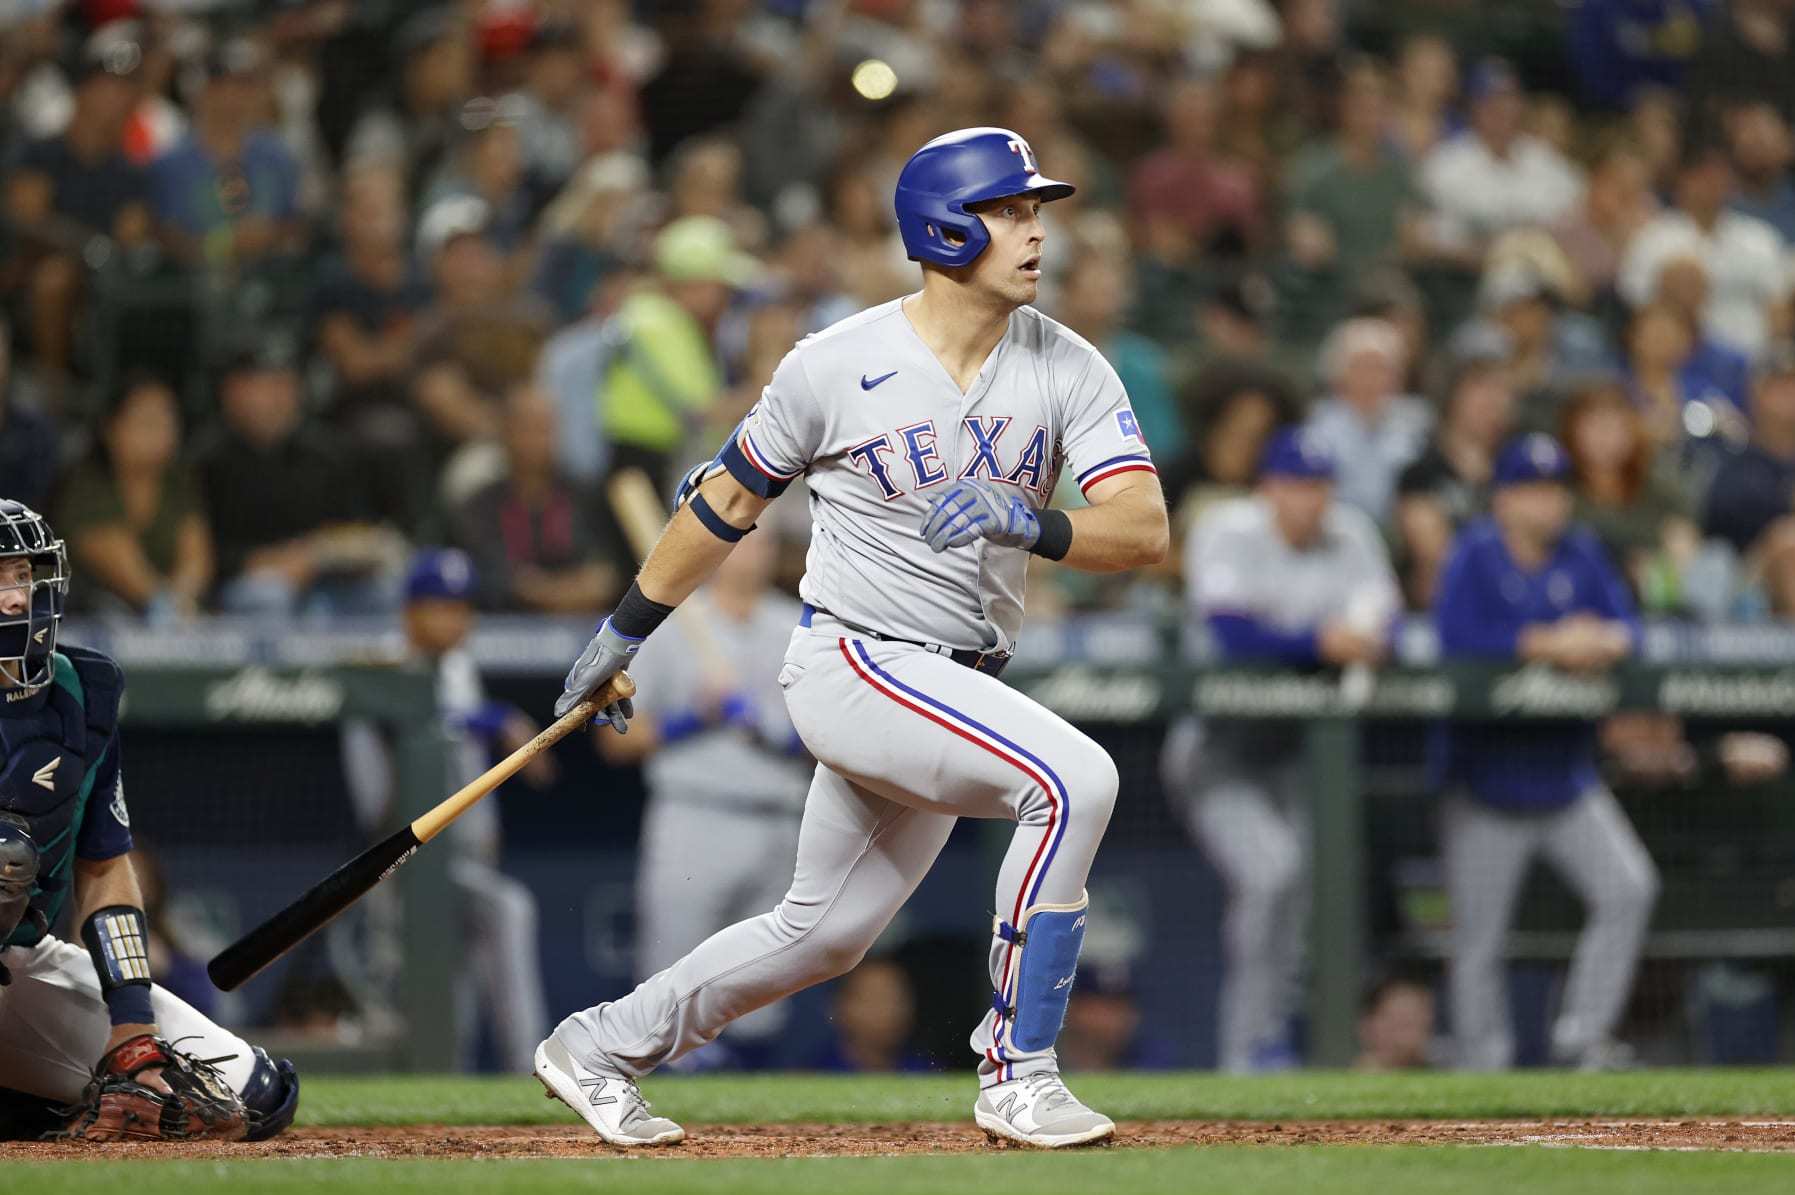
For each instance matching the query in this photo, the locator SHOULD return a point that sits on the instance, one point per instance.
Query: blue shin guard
(1047, 945)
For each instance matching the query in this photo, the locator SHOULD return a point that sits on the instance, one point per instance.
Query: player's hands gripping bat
(970, 509)
(605, 656)
(192, 1102)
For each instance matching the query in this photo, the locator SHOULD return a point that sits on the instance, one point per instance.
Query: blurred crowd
(291, 286)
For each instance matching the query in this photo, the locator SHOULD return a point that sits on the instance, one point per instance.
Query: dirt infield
(815, 1140)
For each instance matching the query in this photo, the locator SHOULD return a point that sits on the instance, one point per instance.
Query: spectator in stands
(548, 106)
(1525, 320)
(1426, 86)
(1187, 199)
(1618, 47)
(1670, 368)
(1745, 55)
(870, 258)
(585, 232)
(1366, 423)
(1750, 501)
(132, 512)
(704, 178)
(1105, 1029)
(480, 337)
(1094, 307)
(809, 276)
(1285, 578)
(1448, 485)
(1493, 177)
(1762, 149)
(1351, 198)
(1655, 126)
(539, 541)
(1233, 409)
(1528, 587)
(1616, 204)
(64, 191)
(227, 194)
(873, 1013)
(290, 519)
(419, 121)
(662, 384)
(486, 161)
(1747, 301)
(29, 453)
(1629, 494)
(1396, 1026)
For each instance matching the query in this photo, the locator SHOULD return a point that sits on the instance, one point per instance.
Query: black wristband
(1055, 539)
(636, 616)
(118, 941)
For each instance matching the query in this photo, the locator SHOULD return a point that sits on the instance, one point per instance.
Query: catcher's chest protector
(50, 751)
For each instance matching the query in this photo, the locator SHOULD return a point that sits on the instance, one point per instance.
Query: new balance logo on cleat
(1008, 1106)
(597, 1084)
(45, 777)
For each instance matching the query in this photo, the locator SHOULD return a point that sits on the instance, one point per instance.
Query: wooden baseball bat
(643, 516)
(321, 903)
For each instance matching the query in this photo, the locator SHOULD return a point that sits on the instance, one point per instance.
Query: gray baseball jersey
(907, 740)
(722, 766)
(868, 415)
(1235, 562)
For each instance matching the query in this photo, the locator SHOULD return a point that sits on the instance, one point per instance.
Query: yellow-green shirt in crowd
(665, 376)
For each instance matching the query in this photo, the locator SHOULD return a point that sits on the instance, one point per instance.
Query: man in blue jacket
(1525, 586)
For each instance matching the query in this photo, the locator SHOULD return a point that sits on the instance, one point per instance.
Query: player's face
(1299, 505)
(437, 625)
(1010, 266)
(1539, 510)
(15, 586)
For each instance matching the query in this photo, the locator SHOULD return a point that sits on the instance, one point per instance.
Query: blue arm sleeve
(1464, 627)
(106, 824)
(1243, 637)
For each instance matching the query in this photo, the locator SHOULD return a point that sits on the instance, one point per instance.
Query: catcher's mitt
(198, 1104)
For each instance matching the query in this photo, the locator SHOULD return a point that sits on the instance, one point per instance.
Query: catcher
(164, 1072)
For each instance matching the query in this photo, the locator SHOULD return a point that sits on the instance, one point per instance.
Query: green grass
(1350, 1171)
(1309, 1095)
(1303, 1170)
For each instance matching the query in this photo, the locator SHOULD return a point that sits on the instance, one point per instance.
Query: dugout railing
(281, 695)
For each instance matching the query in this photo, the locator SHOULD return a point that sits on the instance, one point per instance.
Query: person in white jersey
(930, 431)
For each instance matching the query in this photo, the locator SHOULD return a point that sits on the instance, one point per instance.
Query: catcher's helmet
(960, 168)
(28, 636)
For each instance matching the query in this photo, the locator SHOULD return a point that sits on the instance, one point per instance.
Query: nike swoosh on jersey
(866, 385)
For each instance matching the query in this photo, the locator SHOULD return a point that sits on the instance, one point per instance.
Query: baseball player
(726, 772)
(1525, 585)
(83, 1028)
(1285, 577)
(504, 964)
(930, 430)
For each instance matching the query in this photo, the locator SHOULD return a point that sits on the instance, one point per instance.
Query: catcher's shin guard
(1032, 1008)
(271, 1097)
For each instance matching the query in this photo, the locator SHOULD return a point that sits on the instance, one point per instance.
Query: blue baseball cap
(1296, 453)
(442, 573)
(1490, 76)
(1535, 457)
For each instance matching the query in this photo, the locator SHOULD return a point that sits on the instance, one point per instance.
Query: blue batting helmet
(957, 169)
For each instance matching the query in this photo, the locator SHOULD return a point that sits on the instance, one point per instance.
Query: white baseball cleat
(607, 1100)
(1036, 1109)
